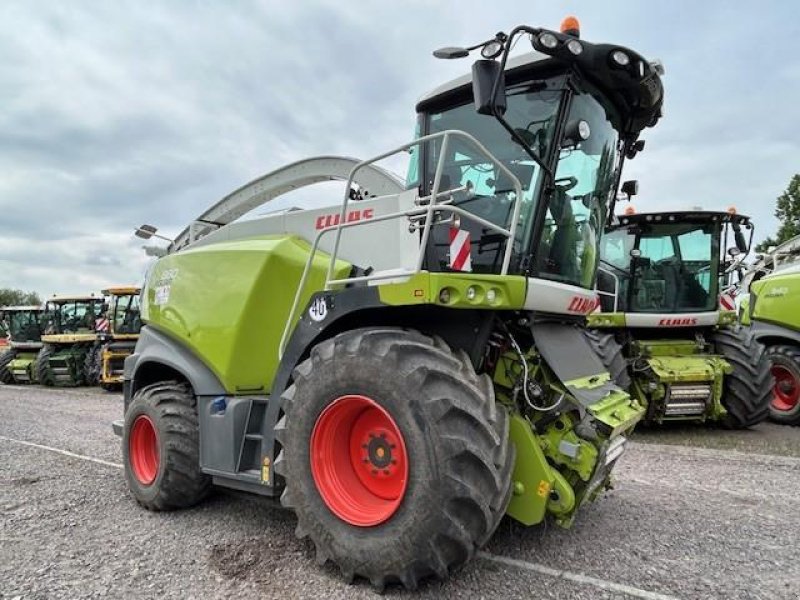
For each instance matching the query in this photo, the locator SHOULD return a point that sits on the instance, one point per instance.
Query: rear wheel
(161, 449)
(395, 456)
(5, 359)
(747, 391)
(42, 370)
(785, 405)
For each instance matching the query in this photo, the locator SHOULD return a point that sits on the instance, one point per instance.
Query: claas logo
(324, 221)
(682, 322)
(582, 305)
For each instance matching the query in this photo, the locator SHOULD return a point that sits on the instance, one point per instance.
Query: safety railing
(428, 207)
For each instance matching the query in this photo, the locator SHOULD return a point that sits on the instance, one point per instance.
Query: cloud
(116, 114)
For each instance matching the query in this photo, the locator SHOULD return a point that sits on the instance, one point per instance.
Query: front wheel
(42, 370)
(785, 406)
(6, 376)
(395, 455)
(161, 447)
(747, 391)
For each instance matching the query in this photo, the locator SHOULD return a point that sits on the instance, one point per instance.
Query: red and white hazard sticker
(460, 247)
(727, 302)
(101, 324)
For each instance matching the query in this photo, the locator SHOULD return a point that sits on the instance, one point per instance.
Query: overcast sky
(115, 114)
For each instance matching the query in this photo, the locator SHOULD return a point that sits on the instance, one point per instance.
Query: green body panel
(247, 287)
(494, 292)
(533, 476)
(744, 311)
(676, 362)
(21, 367)
(556, 469)
(775, 299)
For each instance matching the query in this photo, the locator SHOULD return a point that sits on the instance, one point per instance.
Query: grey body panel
(156, 347)
(766, 330)
(568, 353)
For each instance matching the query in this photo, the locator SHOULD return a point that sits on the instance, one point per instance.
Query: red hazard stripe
(727, 302)
(459, 249)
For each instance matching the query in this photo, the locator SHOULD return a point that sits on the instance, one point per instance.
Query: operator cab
(23, 323)
(562, 121)
(673, 262)
(73, 314)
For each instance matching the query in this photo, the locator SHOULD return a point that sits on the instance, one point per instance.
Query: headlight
(548, 40)
(575, 47)
(620, 58)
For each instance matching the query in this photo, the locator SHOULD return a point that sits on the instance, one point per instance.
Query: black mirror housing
(630, 188)
(484, 75)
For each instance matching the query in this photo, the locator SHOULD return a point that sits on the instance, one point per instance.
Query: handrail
(433, 207)
(615, 293)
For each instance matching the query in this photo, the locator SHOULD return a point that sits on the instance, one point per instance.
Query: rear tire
(609, 351)
(448, 433)
(43, 372)
(5, 373)
(785, 401)
(747, 391)
(161, 447)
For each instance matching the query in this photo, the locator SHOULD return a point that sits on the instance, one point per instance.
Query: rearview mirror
(484, 75)
(738, 236)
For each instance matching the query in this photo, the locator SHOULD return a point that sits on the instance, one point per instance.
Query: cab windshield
(126, 314)
(667, 268)
(585, 181)
(73, 316)
(24, 326)
(533, 111)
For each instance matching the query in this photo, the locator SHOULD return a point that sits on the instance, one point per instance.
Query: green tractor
(667, 326)
(774, 284)
(72, 324)
(24, 326)
(407, 367)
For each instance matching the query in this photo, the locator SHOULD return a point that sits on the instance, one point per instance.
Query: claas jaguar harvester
(24, 326)
(117, 341)
(67, 358)
(407, 367)
(668, 330)
(772, 309)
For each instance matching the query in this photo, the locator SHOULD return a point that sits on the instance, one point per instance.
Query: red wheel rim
(359, 461)
(786, 392)
(143, 450)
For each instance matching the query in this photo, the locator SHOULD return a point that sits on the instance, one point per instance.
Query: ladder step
(253, 436)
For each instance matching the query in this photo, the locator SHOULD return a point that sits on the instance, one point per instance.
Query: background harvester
(772, 310)
(118, 341)
(24, 327)
(667, 329)
(68, 357)
(404, 379)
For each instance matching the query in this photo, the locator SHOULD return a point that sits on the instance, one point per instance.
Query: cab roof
(681, 216)
(464, 83)
(74, 298)
(122, 290)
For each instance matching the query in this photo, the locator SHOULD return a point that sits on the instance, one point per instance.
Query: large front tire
(396, 458)
(747, 391)
(785, 405)
(161, 447)
(5, 359)
(42, 370)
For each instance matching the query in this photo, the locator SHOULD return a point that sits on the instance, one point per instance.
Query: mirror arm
(521, 29)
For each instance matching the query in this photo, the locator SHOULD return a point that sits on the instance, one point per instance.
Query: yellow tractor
(118, 341)
(70, 340)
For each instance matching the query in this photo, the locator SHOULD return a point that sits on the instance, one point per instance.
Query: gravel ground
(683, 522)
